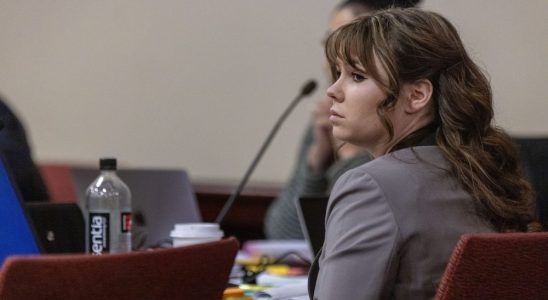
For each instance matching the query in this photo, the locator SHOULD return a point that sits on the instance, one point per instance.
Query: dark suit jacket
(391, 226)
(16, 152)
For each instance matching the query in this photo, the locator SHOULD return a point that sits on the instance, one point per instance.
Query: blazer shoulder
(400, 162)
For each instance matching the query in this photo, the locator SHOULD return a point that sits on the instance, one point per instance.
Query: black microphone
(306, 90)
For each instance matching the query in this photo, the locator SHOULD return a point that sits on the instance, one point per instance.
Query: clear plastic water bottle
(108, 205)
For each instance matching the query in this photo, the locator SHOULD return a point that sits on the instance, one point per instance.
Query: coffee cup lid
(196, 230)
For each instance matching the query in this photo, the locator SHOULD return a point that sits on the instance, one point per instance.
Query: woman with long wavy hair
(406, 90)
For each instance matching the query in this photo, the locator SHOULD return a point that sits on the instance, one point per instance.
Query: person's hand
(325, 147)
(320, 155)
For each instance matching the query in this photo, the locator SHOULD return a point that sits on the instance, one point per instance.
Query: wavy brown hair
(410, 45)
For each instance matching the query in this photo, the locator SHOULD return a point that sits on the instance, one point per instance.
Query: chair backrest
(497, 266)
(58, 180)
(192, 272)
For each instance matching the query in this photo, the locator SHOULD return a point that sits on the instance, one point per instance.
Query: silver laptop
(160, 199)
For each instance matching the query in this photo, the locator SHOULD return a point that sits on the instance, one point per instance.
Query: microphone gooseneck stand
(306, 90)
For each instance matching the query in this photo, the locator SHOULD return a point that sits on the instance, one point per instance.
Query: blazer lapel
(313, 274)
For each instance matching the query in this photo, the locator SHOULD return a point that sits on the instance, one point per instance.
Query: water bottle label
(126, 222)
(99, 240)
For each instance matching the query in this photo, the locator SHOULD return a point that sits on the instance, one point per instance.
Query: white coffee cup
(185, 234)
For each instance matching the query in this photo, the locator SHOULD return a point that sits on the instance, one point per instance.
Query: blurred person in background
(17, 155)
(321, 158)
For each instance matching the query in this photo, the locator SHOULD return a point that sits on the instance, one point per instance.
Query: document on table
(287, 292)
(275, 281)
(278, 248)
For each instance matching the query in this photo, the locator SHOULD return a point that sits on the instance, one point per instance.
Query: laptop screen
(159, 199)
(16, 233)
(311, 211)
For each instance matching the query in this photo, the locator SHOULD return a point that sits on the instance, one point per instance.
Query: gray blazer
(391, 225)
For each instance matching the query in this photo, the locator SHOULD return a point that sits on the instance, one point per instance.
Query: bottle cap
(107, 164)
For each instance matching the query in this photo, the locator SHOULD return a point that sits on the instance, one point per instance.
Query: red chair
(58, 180)
(497, 266)
(192, 272)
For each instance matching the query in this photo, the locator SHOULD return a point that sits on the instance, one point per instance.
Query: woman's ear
(417, 95)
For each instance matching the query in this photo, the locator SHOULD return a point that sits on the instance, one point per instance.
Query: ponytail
(482, 156)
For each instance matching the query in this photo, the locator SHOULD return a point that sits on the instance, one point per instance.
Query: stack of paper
(288, 292)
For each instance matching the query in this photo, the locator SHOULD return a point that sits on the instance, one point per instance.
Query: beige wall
(198, 84)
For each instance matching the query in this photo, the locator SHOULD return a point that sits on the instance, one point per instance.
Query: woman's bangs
(334, 47)
(347, 45)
